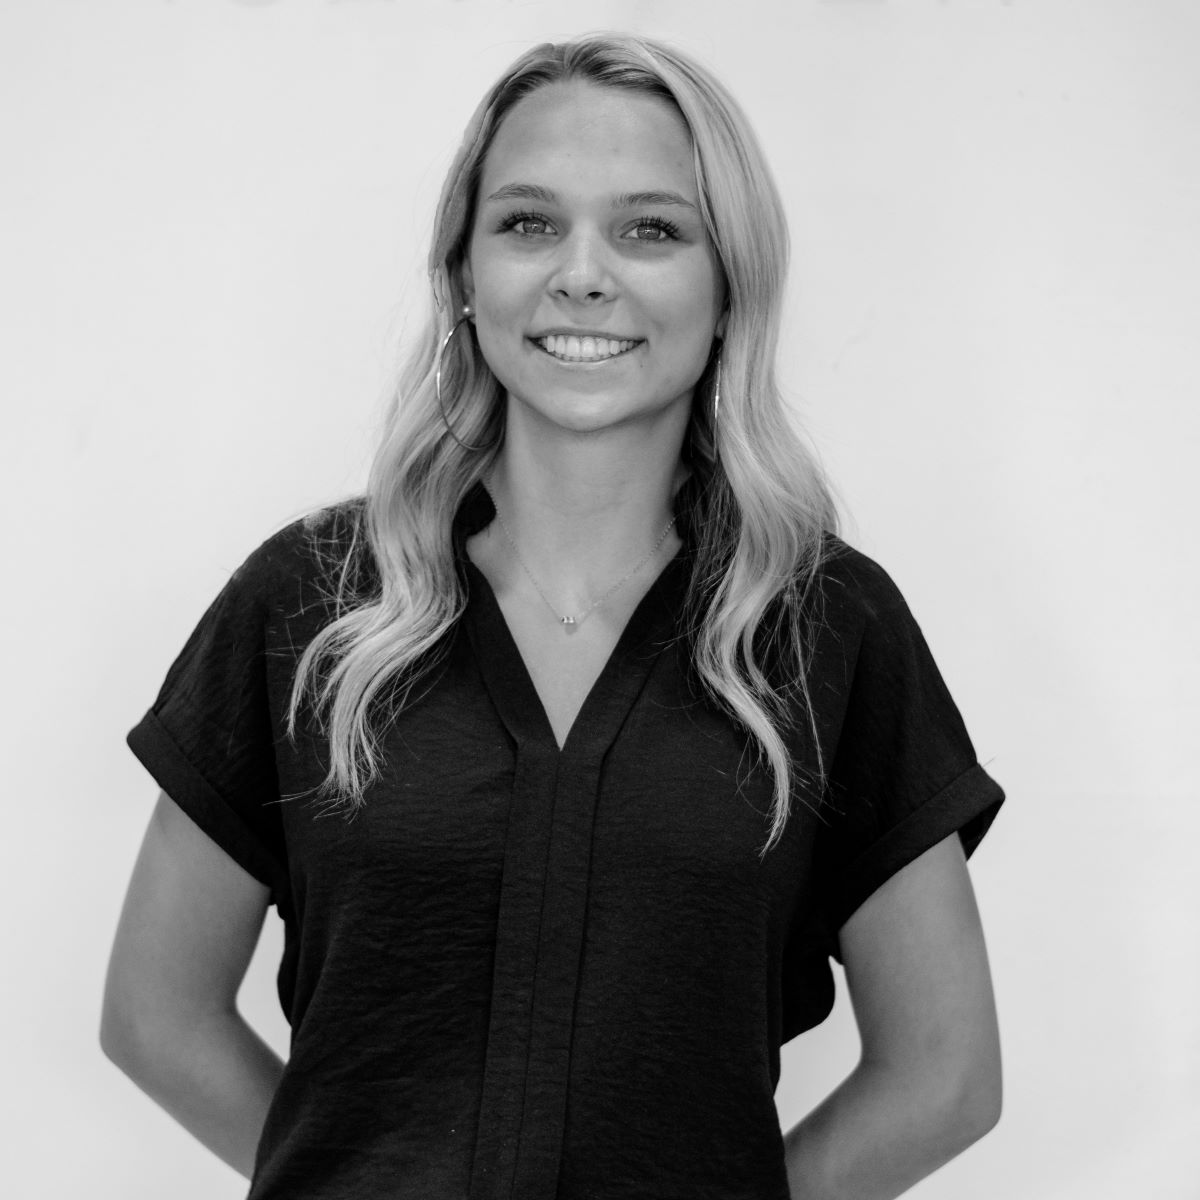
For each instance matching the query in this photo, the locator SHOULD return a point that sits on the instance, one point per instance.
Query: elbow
(965, 1083)
(118, 1034)
(949, 1101)
(131, 1033)
(972, 1102)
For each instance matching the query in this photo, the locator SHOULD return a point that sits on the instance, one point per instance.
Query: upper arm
(188, 928)
(917, 972)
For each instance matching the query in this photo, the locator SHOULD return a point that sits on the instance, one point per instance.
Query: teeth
(583, 349)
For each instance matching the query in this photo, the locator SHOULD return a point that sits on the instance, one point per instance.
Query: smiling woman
(616, 253)
(630, 744)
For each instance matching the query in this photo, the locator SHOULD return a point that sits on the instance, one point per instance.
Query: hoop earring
(437, 382)
(716, 395)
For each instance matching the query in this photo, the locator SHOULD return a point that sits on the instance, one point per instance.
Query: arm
(928, 1083)
(189, 925)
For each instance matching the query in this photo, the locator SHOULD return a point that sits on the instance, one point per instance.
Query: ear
(723, 321)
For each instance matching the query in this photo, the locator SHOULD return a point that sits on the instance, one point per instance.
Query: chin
(585, 419)
(596, 418)
(584, 413)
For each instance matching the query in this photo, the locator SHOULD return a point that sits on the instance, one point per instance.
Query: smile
(583, 349)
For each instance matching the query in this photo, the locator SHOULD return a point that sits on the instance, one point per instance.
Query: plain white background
(212, 223)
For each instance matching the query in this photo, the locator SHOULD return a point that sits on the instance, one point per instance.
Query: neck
(583, 509)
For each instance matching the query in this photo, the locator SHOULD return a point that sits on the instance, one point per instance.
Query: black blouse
(529, 973)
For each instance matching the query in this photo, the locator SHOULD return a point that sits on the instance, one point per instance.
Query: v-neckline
(510, 683)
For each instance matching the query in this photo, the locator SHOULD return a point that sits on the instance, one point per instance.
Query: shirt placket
(543, 906)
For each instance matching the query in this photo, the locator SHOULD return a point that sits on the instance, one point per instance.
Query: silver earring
(437, 381)
(716, 393)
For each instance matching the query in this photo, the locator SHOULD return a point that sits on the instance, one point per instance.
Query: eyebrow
(532, 191)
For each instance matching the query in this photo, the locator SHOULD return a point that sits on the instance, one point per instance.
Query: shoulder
(319, 536)
(304, 561)
(854, 590)
(862, 633)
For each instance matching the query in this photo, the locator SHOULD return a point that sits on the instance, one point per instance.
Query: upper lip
(564, 331)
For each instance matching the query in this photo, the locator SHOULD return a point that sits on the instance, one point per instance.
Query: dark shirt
(529, 973)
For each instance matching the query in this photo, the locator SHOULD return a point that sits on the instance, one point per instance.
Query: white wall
(212, 220)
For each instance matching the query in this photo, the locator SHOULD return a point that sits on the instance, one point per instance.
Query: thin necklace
(568, 622)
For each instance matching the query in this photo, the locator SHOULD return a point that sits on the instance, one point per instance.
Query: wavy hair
(760, 503)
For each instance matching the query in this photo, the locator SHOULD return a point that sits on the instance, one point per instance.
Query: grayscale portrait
(601, 600)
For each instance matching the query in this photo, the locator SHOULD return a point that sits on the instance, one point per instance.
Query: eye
(526, 224)
(654, 229)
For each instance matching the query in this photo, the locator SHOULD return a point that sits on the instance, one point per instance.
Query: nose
(582, 271)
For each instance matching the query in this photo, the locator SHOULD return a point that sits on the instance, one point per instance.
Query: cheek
(698, 306)
(495, 350)
(501, 288)
(696, 290)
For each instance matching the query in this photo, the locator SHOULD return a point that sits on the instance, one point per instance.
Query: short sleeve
(903, 775)
(208, 738)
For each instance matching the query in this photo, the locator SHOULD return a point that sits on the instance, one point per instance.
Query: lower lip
(585, 362)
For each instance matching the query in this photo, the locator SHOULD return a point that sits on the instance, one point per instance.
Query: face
(596, 289)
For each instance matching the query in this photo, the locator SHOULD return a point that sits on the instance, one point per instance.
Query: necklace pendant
(568, 620)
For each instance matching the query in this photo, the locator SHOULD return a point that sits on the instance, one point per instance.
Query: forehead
(573, 136)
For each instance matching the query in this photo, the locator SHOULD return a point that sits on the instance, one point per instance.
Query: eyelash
(669, 228)
(515, 218)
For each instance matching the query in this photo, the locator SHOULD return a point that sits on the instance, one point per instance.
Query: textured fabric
(527, 973)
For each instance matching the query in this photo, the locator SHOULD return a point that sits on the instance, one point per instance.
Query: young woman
(574, 751)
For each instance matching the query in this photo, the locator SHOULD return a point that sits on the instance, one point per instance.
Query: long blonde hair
(762, 504)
